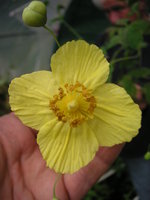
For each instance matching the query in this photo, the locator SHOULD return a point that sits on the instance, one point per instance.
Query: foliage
(125, 45)
(106, 189)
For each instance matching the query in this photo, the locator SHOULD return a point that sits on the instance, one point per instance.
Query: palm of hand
(24, 174)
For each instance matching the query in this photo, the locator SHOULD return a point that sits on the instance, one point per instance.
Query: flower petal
(117, 118)
(66, 149)
(79, 61)
(29, 98)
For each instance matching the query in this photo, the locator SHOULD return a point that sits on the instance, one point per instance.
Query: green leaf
(141, 25)
(122, 33)
(128, 85)
(132, 35)
(112, 31)
(123, 22)
(134, 9)
(115, 40)
(92, 193)
(140, 73)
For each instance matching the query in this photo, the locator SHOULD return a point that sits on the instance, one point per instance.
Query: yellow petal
(79, 61)
(30, 97)
(66, 149)
(117, 118)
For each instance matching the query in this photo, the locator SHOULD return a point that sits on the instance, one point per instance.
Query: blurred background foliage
(132, 41)
(118, 186)
(126, 45)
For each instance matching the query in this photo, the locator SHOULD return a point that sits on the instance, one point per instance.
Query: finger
(15, 120)
(80, 182)
(35, 132)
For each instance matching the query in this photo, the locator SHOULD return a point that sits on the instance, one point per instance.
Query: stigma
(73, 104)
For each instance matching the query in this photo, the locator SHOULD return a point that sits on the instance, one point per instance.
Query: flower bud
(35, 14)
(147, 156)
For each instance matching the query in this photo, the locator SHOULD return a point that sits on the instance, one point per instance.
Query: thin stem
(116, 53)
(52, 33)
(54, 188)
(72, 30)
(140, 57)
(110, 73)
(113, 62)
(123, 59)
(112, 65)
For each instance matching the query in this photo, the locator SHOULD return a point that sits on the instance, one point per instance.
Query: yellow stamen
(73, 104)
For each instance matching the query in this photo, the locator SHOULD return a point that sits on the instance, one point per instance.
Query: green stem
(72, 30)
(113, 62)
(123, 59)
(116, 53)
(112, 65)
(110, 74)
(54, 188)
(140, 57)
(52, 33)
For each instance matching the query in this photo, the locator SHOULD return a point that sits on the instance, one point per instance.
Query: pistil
(73, 104)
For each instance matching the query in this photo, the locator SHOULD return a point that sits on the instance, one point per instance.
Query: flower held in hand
(73, 107)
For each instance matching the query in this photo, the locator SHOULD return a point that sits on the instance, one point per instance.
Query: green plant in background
(106, 189)
(126, 45)
(35, 15)
(127, 41)
(60, 18)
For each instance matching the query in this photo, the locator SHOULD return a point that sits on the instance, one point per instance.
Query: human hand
(24, 175)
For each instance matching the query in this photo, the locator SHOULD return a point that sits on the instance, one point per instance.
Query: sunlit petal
(117, 118)
(79, 61)
(66, 149)
(29, 97)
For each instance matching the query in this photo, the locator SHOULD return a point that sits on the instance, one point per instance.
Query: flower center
(73, 104)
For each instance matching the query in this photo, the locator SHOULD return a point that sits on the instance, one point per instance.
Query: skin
(24, 175)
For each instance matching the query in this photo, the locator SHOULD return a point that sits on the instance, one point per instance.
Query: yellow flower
(73, 107)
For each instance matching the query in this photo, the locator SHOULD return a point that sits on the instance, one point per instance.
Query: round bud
(147, 156)
(35, 14)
